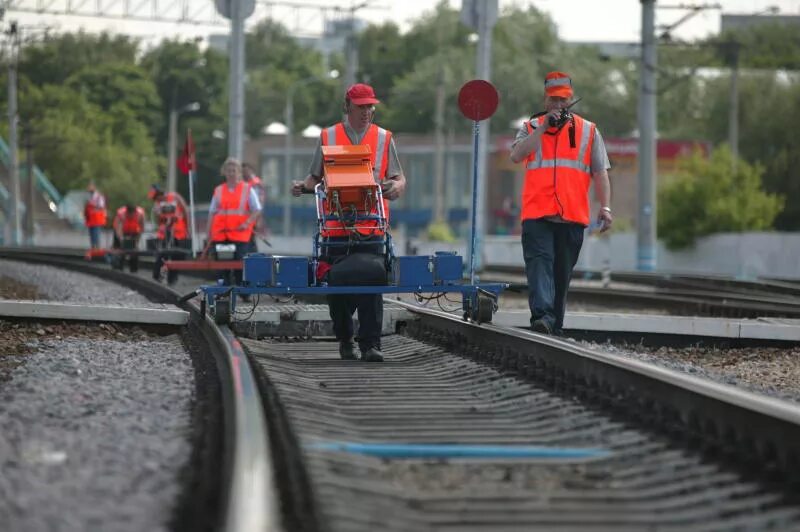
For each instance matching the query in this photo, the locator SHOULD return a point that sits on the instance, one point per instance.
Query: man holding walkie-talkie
(563, 154)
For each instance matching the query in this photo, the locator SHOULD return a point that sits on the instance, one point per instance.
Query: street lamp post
(288, 156)
(173, 140)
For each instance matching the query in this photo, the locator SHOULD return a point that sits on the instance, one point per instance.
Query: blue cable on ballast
(414, 450)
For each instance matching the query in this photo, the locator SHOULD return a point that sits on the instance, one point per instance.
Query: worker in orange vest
(95, 215)
(233, 212)
(249, 176)
(171, 214)
(128, 225)
(174, 240)
(563, 153)
(357, 128)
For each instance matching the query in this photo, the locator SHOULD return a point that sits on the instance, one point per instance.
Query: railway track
(675, 294)
(651, 448)
(669, 439)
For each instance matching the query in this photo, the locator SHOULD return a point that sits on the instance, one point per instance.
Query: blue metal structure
(441, 273)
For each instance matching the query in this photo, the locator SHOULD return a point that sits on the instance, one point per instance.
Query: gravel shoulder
(95, 426)
(773, 371)
(21, 280)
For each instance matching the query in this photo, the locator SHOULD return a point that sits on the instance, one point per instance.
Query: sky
(577, 20)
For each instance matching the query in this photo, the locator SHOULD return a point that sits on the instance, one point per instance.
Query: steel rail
(250, 498)
(764, 285)
(684, 302)
(742, 425)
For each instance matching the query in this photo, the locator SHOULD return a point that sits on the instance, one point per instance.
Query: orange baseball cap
(361, 94)
(558, 84)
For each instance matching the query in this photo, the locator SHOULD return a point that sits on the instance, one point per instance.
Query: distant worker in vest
(95, 215)
(357, 128)
(171, 214)
(563, 154)
(249, 176)
(128, 225)
(233, 212)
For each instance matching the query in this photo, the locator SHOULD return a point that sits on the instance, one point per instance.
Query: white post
(173, 148)
(191, 212)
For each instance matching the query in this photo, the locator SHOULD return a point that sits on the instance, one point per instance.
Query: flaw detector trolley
(349, 202)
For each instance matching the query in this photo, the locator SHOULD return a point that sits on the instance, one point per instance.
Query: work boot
(347, 351)
(541, 327)
(372, 355)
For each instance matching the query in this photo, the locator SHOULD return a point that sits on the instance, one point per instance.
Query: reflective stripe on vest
(558, 176)
(331, 137)
(233, 212)
(378, 139)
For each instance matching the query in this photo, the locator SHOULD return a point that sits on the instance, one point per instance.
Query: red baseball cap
(361, 94)
(558, 84)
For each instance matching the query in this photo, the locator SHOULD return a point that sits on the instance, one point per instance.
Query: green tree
(119, 84)
(76, 142)
(707, 197)
(184, 74)
(56, 58)
(276, 62)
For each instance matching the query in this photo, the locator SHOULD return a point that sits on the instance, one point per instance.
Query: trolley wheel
(222, 311)
(484, 309)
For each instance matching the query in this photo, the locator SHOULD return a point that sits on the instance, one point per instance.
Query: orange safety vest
(378, 139)
(234, 209)
(95, 211)
(180, 230)
(557, 175)
(131, 225)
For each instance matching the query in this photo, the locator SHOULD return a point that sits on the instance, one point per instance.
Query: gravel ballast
(56, 284)
(95, 427)
(770, 371)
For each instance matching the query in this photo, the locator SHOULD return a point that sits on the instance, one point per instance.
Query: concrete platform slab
(104, 313)
(761, 328)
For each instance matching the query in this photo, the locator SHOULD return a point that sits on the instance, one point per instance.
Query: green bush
(440, 232)
(709, 196)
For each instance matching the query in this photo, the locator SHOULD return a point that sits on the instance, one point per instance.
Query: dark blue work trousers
(550, 250)
(342, 306)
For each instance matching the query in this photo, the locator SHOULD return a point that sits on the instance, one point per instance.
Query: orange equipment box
(347, 173)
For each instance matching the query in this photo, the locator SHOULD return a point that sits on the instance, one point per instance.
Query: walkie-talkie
(564, 117)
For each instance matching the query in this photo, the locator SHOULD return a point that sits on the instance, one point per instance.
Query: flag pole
(191, 212)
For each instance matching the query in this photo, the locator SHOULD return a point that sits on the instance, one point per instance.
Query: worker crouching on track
(357, 128)
(173, 238)
(232, 214)
(128, 226)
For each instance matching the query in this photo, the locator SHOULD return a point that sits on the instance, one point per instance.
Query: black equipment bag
(358, 269)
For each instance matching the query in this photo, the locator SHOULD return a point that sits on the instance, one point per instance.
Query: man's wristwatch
(607, 209)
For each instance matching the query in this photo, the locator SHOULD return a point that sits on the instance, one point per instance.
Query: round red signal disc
(478, 99)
